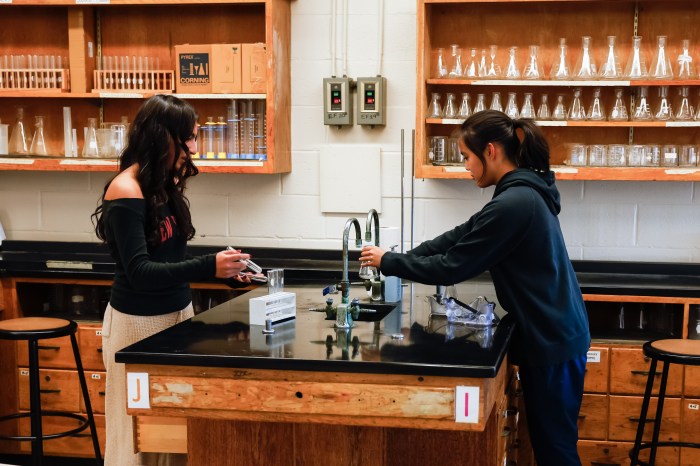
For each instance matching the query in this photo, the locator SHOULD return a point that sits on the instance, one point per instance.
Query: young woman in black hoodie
(517, 237)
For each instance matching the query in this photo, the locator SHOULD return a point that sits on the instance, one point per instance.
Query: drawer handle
(46, 390)
(506, 432)
(582, 416)
(101, 393)
(511, 411)
(636, 419)
(44, 347)
(601, 463)
(645, 373)
(99, 350)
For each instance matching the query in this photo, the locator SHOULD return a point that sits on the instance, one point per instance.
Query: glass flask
(512, 106)
(561, 69)
(527, 112)
(684, 67)
(456, 68)
(465, 110)
(611, 67)
(368, 272)
(435, 110)
(493, 69)
(663, 110)
(471, 70)
(18, 138)
(482, 70)
(38, 146)
(596, 112)
(450, 106)
(480, 103)
(641, 110)
(585, 66)
(232, 136)
(685, 111)
(90, 147)
(512, 71)
(543, 112)
(496, 102)
(619, 110)
(440, 65)
(577, 111)
(661, 64)
(559, 112)
(636, 65)
(533, 68)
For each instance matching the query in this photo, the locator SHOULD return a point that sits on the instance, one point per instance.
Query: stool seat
(26, 328)
(674, 350)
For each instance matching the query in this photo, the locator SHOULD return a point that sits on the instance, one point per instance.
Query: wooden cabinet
(481, 23)
(83, 33)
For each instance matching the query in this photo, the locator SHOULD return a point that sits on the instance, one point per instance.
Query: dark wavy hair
(487, 126)
(161, 120)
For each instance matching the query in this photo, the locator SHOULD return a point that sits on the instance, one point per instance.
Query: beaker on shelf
(585, 66)
(636, 155)
(18, 138)
(641, 109)
(577, 111)
(577, 154)
(220, 138)
(527, 112)
(247, 130)
(611, 67)
(465, 110)
(533, 68)
(480, 103)
(560, 69)
(496, 102)
(493, 69)
(619, 110)
(663, 110)
(636, 65)
(688, 156)
(456, 67)
(685, 111)
(208, 143)
(684, 62)
(512, 70)
(617, 155)
(90, 145)
(543, 112)
(471, 69)
(440, 65)
(435, 110)
(232, 122)
(38, 146)
(512, 106)
(450, 106)
(661, 64)
(559, 113)
(437, 150)
(597, 155)
(596, 112)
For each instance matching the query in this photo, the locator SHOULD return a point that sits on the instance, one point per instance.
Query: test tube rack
(33, 79)
(131, 81)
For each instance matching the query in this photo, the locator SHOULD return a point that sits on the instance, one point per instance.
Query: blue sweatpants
(553, 397)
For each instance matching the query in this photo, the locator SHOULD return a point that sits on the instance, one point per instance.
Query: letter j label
(467, 404)
(137, 390)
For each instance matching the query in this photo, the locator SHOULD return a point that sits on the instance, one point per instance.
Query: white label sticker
(137, 390)
(96, 376)
(693, 406)
(24, 372)
(467, 404)
(593, 356)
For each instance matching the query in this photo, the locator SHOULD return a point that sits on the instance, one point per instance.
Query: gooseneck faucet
(345, 282)
(372, 214)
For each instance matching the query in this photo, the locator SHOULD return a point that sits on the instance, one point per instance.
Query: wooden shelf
(564, 83)
(129, 2)
(588, 124)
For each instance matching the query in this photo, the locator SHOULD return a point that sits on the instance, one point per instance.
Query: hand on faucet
(372, 255)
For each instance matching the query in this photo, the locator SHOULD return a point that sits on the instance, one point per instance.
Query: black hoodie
(517, 237)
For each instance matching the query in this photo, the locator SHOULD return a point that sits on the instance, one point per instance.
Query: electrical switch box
(337, 101)
(371, 101)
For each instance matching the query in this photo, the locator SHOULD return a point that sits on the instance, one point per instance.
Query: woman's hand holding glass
(229, 265)
(371, 256)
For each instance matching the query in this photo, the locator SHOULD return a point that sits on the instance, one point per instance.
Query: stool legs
(643, 414)
(659, 413)
(86, 398)
(35, 403)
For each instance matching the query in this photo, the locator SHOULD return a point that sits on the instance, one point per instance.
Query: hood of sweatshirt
(543, 183)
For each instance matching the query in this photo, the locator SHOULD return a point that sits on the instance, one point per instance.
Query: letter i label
(467, 404)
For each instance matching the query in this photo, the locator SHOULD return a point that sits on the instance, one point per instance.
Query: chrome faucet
(372, 214)
(345, 282)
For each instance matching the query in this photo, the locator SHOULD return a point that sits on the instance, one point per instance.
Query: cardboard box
(208, 68)
(254, 69)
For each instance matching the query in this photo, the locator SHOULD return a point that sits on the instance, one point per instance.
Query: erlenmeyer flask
(38, 146)
(465, 110)
(585, 66)
(367, 272)
(636, 65)
(480, 103)
(482, 70)
(661, 65)
(619, 110)
(527, 112)
(471, 70)
(596, 112)
(512, 71)
(611, 68)
(90, 147)
(18, 138)
(440, 65)
(577, 112)
(512, 106)
(450, 106)
(533, 68)
(456, 68)
(559, 112)
(641, 109)
(496, 102)
(684, 68)
(560, 70)
(663, 111)
(543, 112)
(435, 110)
(685, 111)
(493, 69)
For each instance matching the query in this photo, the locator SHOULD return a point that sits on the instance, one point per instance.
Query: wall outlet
(371, 101)
(337, 101)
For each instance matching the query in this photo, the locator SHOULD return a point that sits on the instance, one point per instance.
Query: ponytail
(533, 152)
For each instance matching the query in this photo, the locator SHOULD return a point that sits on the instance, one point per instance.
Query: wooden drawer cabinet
(690, 430)
(60, 390)
(593, 417)
(96, 389)
(691, 385)
(594, 453)
(77, 445)
(629, 369)
(90, 340)
(624, 418)
(55, 353)
(597, 370)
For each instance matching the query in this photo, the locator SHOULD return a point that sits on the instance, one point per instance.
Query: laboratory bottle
(663, 110)
(636, 64)
(561, 69)
(232, 136)
(559, 113)
(471, 70)
(456, 69)
(465, 110)
(684, 67)
(450, 106)
(18, 138)
(512, 106)
(90, 146)
(533, 68)
(619, 110)
(493, 69)
(260, 130)
(38, 146)
(440, 65)
(512, 71)
(641, 109)
(435, 110)
(585, 66)
(527, 112)
(480, 103)
(482, 70)
(577, 112)
(685, 111)
(596, 112)
(496, 102)
(661, 64)
(220, 138)
(543, 112)
(611, 67)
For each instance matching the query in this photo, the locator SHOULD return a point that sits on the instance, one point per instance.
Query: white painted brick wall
(601, 220)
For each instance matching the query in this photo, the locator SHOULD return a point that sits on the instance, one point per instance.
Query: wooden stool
(34, 329)
(670, 351)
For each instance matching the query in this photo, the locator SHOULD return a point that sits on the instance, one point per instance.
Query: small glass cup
(617, 155)
(688, 156)
(653, 156)
(637, 155)
(437, 150)
(577, 154)
(275, 281)
(597, 155)
(669, 156)
(454, 155)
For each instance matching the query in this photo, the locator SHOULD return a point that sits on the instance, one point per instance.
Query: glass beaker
(450, 106)
(641, 109)
(663, 110)
(619, 110)
(577, 111)
(512, 70)
(577, 155)
(453, 154)
(118, 139)
(533, 68)
(465, 110)
(543, 111)
(684, 68)
(669, 156)
(527, 112)
(440, 65)
(512, 106)
(18, 138)
(559, 113)
(636, 155)
(653, 155)
(38, 146)
(260, 132)
(471, 70)
(597, 155)
(596, 112)
(636, 65)
(480, 103)
(438, 150)
(617, 155)
(688, 156)
(560, 69)
(496, 102)
(685, 112)
(90, 146)
(456, 68)
(435, 110)
(368, 272)
(611, 67)
(585, 66)
(661, 64)
(493, 69)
